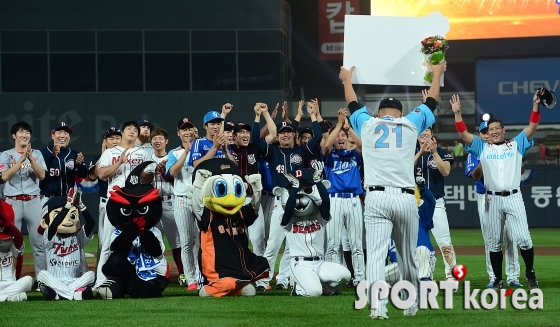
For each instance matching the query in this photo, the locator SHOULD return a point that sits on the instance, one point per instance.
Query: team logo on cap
(185, 120)
(222, 167)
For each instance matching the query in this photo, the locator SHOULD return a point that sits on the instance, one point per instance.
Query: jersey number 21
(384, 140)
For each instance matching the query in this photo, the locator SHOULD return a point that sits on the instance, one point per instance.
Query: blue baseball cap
(62, 126)
(284, 125)
(483, 126)
(144, 122)
(212, 115)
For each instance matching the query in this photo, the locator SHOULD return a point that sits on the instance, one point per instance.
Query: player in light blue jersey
(342, 169)
(214, 144)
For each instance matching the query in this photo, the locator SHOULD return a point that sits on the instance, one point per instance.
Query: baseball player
(342, 169)
(282, 159)
(390, 206)
(214, 145)
(22, 168)
(501, 164)
(114, 166)
(63, 236)
(433, 164)
(164, 183)
(11, 247)
(229, 128)
(189, 235)
(143, 140)
(473, 169)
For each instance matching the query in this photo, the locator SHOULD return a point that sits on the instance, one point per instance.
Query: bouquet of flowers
(433, 48)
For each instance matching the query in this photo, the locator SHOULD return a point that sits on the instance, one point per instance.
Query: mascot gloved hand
(11, 248)
(136, 266)
(64, 236)
(255, 181)
(227, 264)
(306, 204)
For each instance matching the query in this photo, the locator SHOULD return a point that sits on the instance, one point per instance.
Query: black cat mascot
(136, 266)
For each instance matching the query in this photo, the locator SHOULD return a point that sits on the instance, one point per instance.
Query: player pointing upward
(501, 163)
(390, 205)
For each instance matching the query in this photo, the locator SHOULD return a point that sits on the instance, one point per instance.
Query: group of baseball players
(371, 184)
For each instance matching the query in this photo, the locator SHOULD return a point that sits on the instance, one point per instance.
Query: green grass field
(278, 308)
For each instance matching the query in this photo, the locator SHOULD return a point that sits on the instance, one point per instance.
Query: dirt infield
(28, 269)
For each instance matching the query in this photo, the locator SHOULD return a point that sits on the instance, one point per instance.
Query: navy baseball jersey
(427, 168)
(342, 169)
(266, 176)
(472, 163)
(62, 171)
(246, 158)
(103, 185)
(426, 223)
(285, 160)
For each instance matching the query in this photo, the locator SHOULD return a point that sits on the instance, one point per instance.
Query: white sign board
(386, 50)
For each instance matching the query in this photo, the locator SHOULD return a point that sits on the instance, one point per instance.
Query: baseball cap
(229, 125)
(144, 122)
(483, 126)
(53, 203)
(390, 103)
(241, 125)
(62, 125)
(184, 121)
(306, 130)
(212, 115)
(9, 215)
(284, 125)
(328, 123)
(112, 131)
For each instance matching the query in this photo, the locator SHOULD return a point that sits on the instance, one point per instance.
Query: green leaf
(428, 78)
(437, 57)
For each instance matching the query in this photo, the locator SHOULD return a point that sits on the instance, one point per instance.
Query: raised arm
(265, 129)
(535, 115)
(226, 109)
(327, 145)
(345, 76)
(438, 70)
(269, 122)
(255, 134)
(459, 123)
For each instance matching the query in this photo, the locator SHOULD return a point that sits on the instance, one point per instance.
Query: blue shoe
(515, 283)
(490, 284)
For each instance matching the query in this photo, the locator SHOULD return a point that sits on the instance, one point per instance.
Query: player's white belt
(317, 258)
(343, 195)
(382, 188)
(503, 193)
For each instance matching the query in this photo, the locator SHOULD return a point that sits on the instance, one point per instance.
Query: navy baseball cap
(241, 125)
(306, 130)
(62, 126)
(144, 122)
(390, 103)
(483, 126)
(112, 131)
(229, 126)
(183, 122)
(284, 125)
(53, 203)
(211, 116)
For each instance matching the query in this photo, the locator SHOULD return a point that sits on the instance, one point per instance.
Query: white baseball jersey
(63, 254)
(136, 156)
(389, 152)
(184, 178)
(7, 262)
(501, 163)
(165, 188)
(306, 236)
(24, 181)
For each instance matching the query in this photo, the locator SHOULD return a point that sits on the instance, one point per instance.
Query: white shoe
(248, 290)
(17, 297)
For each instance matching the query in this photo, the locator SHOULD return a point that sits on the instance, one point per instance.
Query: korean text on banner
(331, 26)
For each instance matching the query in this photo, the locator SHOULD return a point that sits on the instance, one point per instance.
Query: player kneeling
(64, 237)
(11, 247)
(306, 212)
(425, 254)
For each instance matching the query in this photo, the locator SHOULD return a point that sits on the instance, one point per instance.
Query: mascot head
(224, 191)
(71, 222)
(135, 203)
(307, 195)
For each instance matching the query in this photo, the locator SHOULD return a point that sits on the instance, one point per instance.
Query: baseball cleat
(350, 283)
(261, 289)
(280, 287)
(498, 285)
(532, 279)
(515, 283)
(489, 285)
(192, 287)
(20, 297)
(182, 280)
(379, 317)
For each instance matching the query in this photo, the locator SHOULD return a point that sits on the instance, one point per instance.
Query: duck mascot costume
(137, 265)
(218, 200)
